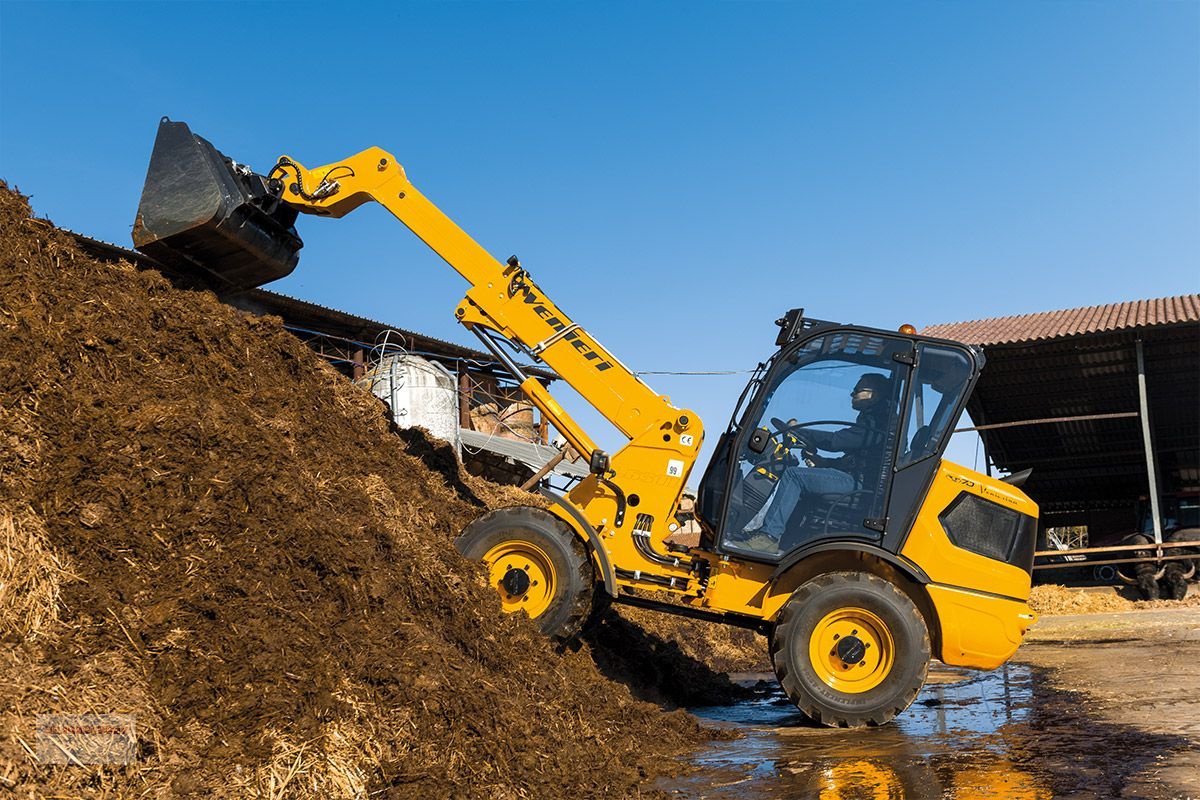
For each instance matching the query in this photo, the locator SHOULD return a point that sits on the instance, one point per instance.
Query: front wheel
(850, 649)
(537, 565)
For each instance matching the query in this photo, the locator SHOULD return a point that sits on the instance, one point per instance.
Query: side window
(942, 377)
(829, 419)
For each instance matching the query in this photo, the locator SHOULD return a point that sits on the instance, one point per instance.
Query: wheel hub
(523, 575)
(515, 582)
(851, 649)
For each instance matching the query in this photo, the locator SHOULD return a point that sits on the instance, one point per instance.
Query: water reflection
(949, 745)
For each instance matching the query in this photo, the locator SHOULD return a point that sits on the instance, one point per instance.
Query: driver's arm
(853, 437)
(814, 460)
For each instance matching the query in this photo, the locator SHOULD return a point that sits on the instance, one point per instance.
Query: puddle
(969, 735)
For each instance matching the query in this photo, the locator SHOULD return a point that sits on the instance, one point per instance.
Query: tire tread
(579, 571)
(790, 682)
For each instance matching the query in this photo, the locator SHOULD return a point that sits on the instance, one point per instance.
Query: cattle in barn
(1177, 573)
(1145, 572)
(1167, 579)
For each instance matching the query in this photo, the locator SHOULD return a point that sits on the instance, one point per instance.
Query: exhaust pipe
(204, 215)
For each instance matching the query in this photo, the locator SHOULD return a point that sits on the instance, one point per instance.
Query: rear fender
(583, 529)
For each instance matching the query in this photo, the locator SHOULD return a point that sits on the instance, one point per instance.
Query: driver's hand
(810, 457)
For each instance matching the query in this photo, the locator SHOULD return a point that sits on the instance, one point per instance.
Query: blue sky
(675, 175)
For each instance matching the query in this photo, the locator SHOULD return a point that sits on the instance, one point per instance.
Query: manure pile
(204, 525)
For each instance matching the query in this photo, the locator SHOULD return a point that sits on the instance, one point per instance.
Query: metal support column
(1144, 406)
(982, 443)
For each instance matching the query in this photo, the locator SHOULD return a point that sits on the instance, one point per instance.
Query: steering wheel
(784, 429)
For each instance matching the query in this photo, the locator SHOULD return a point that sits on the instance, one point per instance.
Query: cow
(1151, 577)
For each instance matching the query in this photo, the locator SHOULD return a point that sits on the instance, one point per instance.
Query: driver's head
(869, 392)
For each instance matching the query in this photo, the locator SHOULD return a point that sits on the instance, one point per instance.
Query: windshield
(815, 452)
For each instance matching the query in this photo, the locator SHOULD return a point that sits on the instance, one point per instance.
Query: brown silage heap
(204, 525)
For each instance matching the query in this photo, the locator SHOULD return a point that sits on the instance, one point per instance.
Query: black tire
(557, 557)
(818, 679)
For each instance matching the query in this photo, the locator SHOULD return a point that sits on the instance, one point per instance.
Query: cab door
(809, 460)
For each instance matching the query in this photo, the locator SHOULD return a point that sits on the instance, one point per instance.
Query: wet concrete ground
(1104, 705)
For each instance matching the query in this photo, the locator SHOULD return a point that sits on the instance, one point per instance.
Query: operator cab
(839, 439)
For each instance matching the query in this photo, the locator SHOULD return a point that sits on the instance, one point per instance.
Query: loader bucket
(204, 216)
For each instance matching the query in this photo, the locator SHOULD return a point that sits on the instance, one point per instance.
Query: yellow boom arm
(654, 466)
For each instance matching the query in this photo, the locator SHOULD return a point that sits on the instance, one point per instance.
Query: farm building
(1101, 402)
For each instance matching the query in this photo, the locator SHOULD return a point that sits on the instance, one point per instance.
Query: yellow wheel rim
(523, 575)
(851, 650)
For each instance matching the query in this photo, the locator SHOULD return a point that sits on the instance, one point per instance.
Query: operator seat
(818, 516)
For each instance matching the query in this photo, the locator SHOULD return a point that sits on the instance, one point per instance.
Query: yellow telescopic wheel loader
(831, 523)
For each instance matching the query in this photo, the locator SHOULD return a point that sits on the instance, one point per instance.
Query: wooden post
(547, 467)
(464, 397)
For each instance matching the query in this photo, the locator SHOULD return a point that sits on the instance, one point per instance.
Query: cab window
(943, 374)
(827, 430)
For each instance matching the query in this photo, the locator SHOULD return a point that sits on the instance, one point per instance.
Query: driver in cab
(860, 443)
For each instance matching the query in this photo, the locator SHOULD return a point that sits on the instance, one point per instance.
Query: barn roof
(1073, 321)
(1079, 368)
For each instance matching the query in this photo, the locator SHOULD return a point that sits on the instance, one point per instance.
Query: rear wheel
(850, 649)
(537, 565)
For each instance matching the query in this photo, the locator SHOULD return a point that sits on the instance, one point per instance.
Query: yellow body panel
(744, 587)
(929, 547)
(981, 603)
(977, 630)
